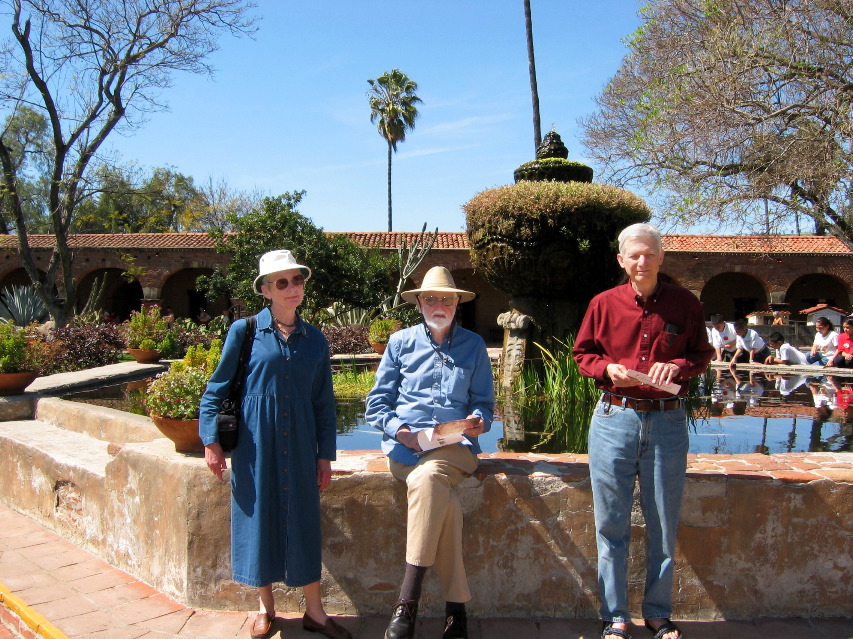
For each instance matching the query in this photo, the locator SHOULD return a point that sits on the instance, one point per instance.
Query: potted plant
(172, 399)
(380, 330)
(146, 330)
(15, 371)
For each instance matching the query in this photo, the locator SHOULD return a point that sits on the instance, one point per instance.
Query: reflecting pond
(749, 413)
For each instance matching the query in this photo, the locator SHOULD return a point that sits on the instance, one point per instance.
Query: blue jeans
(624, 444)
(817, 358)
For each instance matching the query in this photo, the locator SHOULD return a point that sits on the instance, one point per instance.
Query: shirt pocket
(459, 384)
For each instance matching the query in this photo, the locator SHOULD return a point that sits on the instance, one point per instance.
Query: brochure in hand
(445, 433)
(671, 387)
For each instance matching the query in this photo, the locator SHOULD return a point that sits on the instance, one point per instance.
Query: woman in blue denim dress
(285, 446)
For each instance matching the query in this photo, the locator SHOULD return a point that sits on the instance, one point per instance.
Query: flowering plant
(177, 392)
(14, 348)
(381, 329)
(146, 328)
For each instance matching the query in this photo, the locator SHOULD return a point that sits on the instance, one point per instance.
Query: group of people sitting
(735, 342)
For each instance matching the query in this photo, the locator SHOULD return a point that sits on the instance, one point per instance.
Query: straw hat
(437, 280)
(276, 261)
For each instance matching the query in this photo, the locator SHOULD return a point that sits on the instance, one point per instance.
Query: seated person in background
(723, 338)
(785, 353)
(778, 318)
(749, 341)
(844, 356)
(825, 343)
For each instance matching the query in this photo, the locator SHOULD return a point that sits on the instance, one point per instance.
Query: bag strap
(245, 352)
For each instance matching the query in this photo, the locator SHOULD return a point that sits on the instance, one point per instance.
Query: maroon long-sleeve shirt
(619, 327)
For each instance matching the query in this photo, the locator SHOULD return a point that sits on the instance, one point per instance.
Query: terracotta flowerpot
(144, 355)
(183, 432)
(15, 383)
(379, 347)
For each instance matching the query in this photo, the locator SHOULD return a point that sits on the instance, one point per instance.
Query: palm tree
(392, 106)
(528, 23)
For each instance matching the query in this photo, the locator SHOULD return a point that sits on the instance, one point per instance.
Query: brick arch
(735, 294)
(178, 291)
(811, 289)
(15, 275)
(119, 298)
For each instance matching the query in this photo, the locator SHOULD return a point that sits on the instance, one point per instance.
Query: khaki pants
(434, 524)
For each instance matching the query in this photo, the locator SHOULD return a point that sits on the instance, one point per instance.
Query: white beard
(439, 324)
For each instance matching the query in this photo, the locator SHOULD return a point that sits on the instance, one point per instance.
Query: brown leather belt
(642, 405)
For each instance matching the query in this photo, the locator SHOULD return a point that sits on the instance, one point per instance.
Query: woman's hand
(214, 457)
(324, 473)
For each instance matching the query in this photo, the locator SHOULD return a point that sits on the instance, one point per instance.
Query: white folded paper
(428, 439)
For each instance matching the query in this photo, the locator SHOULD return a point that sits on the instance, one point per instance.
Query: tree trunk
(528, 23)
(389, 187)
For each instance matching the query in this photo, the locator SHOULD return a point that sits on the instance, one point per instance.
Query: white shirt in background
(826, 344)
(725, 339)
(791, 355)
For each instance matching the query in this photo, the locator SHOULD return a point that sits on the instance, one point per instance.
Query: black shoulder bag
(226, 421)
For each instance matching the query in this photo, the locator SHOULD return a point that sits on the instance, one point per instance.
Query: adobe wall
(760, 535)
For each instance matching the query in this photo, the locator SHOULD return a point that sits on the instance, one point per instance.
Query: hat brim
(259, 279)
(411, 296)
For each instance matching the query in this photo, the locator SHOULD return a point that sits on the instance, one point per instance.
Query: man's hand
(476, 429)
(663, 372)
(408, 439)
(214, 457)
(618, 374)
(324, 473)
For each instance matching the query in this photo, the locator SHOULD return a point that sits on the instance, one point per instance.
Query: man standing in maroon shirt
(639, 430)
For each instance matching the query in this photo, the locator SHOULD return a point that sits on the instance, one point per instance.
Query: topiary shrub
(550, 239)
(553, 169)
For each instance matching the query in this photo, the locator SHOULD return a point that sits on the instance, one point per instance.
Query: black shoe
(403, 619)
(456, 627)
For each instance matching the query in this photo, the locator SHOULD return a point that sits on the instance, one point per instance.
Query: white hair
(636, 231)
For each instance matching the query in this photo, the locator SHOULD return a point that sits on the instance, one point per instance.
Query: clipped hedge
(550, 239)
(553, 170)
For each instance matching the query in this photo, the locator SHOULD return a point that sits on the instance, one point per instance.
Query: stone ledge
(786, 467)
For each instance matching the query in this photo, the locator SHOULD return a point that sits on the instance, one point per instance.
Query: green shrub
(381, 329)
(146, 325)
(553, 169)
(13, 349)
(177, 392)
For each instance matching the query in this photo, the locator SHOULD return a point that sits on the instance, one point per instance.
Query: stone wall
(760, 535)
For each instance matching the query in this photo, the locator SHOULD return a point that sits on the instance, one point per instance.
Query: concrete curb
(25, 620)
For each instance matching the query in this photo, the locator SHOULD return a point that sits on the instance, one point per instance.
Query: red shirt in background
(620, 328)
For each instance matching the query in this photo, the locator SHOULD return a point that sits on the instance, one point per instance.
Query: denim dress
(287, 423)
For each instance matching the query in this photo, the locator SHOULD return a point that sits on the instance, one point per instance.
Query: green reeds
(553, 393)
(352, 381)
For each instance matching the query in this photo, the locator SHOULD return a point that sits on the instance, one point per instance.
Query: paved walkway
(52, 589)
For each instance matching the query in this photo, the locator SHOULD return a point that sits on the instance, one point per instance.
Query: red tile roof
(822, 307)
(673, 243)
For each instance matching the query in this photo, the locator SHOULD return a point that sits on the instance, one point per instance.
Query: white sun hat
(437, 280)
(275, 261)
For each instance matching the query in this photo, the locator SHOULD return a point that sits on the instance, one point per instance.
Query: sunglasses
(281, 284)
(432, 300)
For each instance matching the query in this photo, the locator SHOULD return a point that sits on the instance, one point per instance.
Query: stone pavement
(52, 589)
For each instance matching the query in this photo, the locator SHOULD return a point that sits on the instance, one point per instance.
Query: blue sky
(288, 111)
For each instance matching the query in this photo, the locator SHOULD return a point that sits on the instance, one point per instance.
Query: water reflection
(732, 414)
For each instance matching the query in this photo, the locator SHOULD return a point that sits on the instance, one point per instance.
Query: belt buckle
(644, 405)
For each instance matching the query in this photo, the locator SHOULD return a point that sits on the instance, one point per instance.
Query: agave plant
(20, 305)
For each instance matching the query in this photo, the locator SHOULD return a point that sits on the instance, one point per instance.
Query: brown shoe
(331, 629)
(262, 625)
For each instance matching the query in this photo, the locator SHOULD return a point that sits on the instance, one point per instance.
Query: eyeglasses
(281, 284)
(432, 300)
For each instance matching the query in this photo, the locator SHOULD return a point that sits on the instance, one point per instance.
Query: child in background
(723, 338)
(785, 353)
(825, 343)
(749, 341)
(844, 356)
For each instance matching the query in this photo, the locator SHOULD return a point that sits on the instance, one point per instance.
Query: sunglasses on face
(282, 283)
(432, 300)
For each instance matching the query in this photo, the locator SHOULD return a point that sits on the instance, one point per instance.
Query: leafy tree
(26, 131)
(392, 107)
(88, 66)
(736, 111)
(341, 270)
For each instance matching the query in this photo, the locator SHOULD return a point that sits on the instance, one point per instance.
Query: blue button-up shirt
(420, 384)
